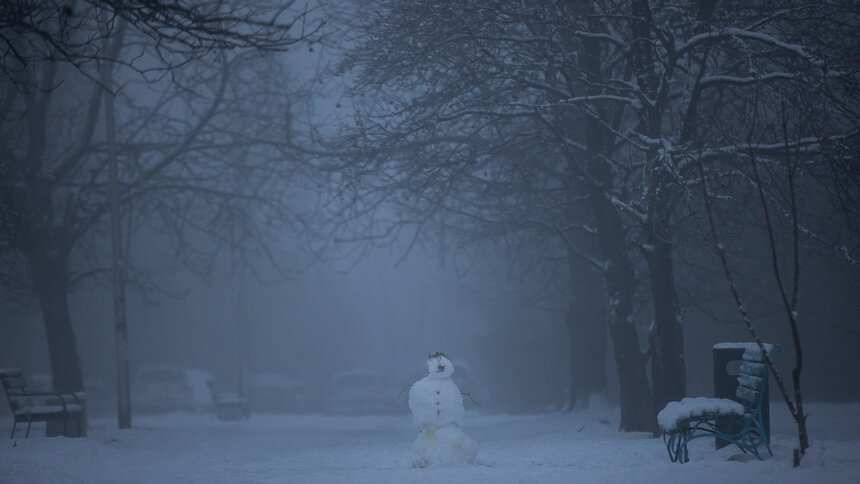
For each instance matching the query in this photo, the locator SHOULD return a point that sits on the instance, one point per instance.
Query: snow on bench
(48, 409)
(675, 412)
(737, 422)
(29, 407)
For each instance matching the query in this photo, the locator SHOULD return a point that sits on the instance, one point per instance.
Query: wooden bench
(32, 407)
(739, 422)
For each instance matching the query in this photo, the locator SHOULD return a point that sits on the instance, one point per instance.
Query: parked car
(277, 393)
(360, 392)
(160, 389)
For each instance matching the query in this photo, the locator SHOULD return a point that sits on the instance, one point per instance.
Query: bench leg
(676, 444)
(674, 447)
(683, 453)
(756, 437)
(14, 424)
(29, 422)
(767, 446)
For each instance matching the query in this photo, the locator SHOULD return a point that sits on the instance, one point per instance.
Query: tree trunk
(668, 365)
(637, 410)
(52, 288)
(668, 368)
(585, 318)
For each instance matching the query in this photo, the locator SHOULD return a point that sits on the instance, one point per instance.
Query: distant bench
(228, 405)
(737, 422)
(26, 406)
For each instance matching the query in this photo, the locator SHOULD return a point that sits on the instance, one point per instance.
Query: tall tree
(472, 123)
(516, 109)
(217, 116)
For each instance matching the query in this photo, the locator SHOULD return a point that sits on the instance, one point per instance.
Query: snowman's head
(438, 365)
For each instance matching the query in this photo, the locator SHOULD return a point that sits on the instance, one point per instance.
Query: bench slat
(13, 383)
(755, 369)
(746, 394)
(48, 410)
(750, 381)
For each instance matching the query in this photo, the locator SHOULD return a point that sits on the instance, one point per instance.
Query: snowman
(437, 411)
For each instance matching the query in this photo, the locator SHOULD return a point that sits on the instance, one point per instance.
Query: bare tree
(784, 181)
(502, 118)
(201, 152)
(685, 76)
(473, 125)
(795, 404)
(172, 32)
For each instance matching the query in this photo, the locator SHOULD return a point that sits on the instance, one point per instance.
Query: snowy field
(579, 447)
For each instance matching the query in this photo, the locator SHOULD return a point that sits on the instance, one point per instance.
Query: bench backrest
(752, 382)
(13, 380)
(13, 386)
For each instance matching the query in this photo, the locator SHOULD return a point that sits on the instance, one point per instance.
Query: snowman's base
(443, 446)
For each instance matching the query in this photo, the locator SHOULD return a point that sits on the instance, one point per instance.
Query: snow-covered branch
(709, 81)
(732, 32)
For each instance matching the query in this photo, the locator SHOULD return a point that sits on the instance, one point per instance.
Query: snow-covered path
(579, 447)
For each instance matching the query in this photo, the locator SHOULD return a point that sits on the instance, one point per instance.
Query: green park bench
(29, 407)
(740, 421)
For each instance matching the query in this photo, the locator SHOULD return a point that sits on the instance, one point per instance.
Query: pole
(118, 261)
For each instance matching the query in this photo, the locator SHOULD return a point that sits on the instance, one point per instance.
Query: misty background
(384, 317)
(375, 317)
(309, 186)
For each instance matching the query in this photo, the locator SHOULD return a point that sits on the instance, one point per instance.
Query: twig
(472, 399)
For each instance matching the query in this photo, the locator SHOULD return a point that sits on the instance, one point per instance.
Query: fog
(366, 167)
(380, 316)
(383, 316)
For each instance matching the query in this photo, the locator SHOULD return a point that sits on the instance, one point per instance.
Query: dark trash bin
(727, 360)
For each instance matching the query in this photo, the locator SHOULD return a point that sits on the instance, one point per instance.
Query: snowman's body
(437, 411)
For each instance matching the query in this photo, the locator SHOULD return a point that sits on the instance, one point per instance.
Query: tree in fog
(779, 187)
(200, 132)
(510, 121)
(774, 139)
(797, 185)
(67, 31)
(469, 122)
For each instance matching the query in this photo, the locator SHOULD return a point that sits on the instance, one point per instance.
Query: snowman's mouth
(440, 368)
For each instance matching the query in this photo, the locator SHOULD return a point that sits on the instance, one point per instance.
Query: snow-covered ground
(580, 447)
